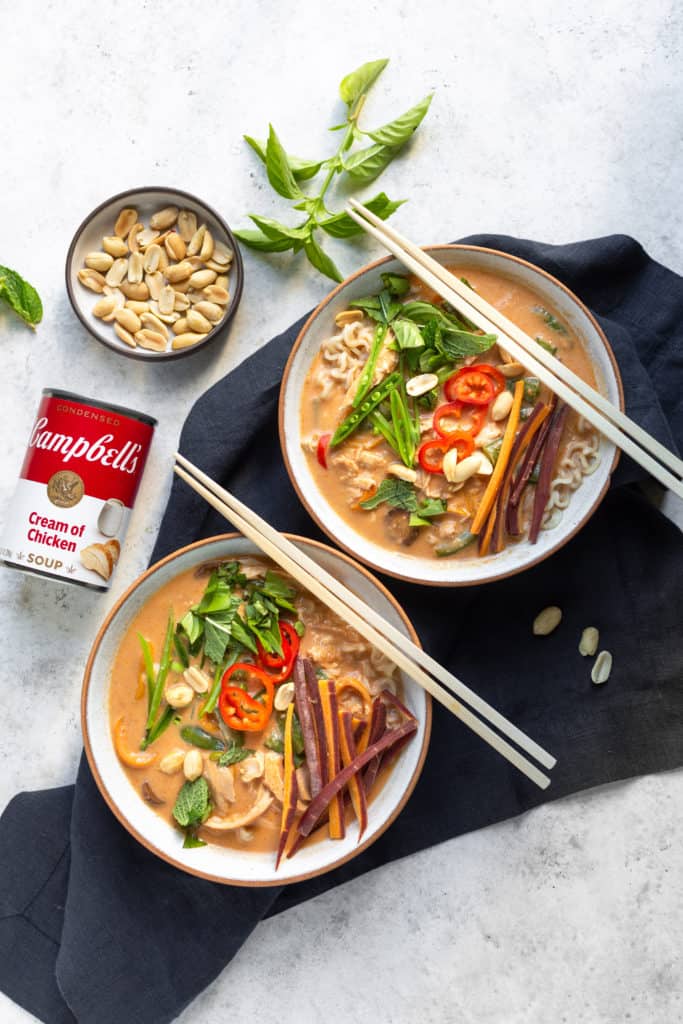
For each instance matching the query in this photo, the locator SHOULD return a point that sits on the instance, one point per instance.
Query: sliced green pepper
(374, 398)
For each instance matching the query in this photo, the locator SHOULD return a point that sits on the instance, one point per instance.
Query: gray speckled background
(554, 124)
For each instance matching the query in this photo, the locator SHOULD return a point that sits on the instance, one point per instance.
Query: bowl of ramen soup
(238, 728)
(420, 445)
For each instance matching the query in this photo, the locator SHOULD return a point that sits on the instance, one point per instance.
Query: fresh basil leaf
(367, 164)
(456, 344)
(275, 230)
(218, 633)
(398, 131)
(255, 240)
(278, 170)
(343, 226)
(397, 493)
(241, 635)
(370, 305)
(301, 169)
(355, 84)
(407, 333)
(20, 296)
(299, 628)
(431, 507)
(233, 754)
(320, 260)
(424, 312)
(396, 284)
(192, 803)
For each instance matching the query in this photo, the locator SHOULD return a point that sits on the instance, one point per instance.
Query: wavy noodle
(581, 458)
(342, 355)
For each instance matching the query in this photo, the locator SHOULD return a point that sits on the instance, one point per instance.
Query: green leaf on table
(20, 296)
(301, 169)
(320, 260)
(279, 172)
(355, 84)
(277, 231)
(367, 164)
(261, 243)
(398, 131)
(192, 803)
(342, 226)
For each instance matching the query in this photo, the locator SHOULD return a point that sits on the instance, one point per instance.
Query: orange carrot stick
(291, 788)
(328, 703)
(356, 790)
(502, 461)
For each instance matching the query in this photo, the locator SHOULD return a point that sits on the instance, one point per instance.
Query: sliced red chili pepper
(473, 388)
(289, 640)
(490, 371)
(321, 451)
(240, 709)
(450, 411)
(431, 453)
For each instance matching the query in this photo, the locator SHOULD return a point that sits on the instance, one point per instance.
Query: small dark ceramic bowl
(100, 222)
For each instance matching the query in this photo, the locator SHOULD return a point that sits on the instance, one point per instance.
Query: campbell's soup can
(76, 490)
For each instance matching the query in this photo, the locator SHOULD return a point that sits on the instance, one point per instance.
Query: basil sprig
(354, 165)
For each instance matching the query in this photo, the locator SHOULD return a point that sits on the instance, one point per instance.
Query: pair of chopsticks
(611, 422)
(410, 658)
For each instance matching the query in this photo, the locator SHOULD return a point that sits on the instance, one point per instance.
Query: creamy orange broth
(328, 641)
(364, 458)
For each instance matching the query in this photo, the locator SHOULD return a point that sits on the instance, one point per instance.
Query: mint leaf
(355, 84)
(395, 492)
(278, 170)
(320, 260)
(397, 132)
(192, 804)
(233, 754)
(20, 296)
(261, 243)
(301, 169)
(456, 344)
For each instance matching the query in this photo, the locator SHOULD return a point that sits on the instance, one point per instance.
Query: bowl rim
(113, 806)
(144, 355)
(493, 577)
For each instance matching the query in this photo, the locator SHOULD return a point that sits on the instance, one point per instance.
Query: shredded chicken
(238, 819)
(222, 784)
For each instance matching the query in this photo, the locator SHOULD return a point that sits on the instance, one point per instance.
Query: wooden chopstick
(602, 414)
(389, 640)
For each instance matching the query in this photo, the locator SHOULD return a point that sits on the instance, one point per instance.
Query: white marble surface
(556, 124)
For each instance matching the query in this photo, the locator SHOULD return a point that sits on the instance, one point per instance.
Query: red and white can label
(76, 489)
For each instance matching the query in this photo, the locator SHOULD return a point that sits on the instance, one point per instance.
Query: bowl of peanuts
(154, 273)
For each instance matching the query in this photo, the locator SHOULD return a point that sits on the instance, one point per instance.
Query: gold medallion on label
(65, 488)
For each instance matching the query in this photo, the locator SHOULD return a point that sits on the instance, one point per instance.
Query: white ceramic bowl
(434, 571)
(88, 238)
(217, 863)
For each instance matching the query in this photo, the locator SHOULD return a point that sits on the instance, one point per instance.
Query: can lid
(132, 413)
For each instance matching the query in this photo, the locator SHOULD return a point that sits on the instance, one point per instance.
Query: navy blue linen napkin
(84, 931)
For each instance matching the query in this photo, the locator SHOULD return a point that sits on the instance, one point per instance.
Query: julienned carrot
(336, 785)
(502, 461)
(291, 788)
(356, 790)
(328, 703)
(547, 464)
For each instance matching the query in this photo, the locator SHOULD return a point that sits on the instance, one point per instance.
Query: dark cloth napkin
(85, 929)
